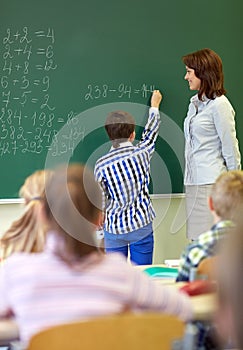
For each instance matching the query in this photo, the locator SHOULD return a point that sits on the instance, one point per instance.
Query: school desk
(204, 307)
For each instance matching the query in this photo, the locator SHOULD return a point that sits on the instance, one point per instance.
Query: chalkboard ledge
(153, 196)
(167, 195)
(12, 201)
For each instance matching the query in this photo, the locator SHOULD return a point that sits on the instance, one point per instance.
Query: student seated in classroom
(124, 175)
(226, 197)
(225, 200)
(71, 279)
(26, 234)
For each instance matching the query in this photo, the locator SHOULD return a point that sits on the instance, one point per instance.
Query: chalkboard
(65, 64)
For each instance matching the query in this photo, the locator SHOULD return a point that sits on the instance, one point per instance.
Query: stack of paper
(172, 262)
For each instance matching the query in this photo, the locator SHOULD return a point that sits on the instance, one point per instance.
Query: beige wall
(8, 213)
(169, 228)
(169, 237)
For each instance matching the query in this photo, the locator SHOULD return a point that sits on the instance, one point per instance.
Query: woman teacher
(211, 146)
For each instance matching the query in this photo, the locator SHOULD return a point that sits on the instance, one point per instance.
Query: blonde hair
(227, 194)
(73, 217)
(27, 234)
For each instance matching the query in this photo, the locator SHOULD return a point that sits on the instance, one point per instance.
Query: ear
(210, 203)
(132, 136)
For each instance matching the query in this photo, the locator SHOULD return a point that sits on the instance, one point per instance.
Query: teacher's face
(193, 81)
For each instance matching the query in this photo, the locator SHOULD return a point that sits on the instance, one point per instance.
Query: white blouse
(211, 146)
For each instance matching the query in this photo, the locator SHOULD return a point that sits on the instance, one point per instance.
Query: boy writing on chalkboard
(123, 174)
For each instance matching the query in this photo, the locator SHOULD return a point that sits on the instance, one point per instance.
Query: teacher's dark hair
(209, 69)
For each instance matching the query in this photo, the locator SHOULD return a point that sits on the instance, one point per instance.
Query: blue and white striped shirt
(124, 177)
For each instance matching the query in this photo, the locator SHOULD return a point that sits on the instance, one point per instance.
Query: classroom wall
(168, 244)
(169, 228)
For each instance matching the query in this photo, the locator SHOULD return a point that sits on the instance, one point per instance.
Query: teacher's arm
(224, 119)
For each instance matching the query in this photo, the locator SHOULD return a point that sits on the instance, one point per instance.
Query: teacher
(211, 146)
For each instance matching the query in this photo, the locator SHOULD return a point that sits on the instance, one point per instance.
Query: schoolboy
(123, 174)
(224, 202)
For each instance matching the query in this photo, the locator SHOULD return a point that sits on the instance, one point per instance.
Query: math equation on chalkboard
(119, 91)
(30, 114)
(27, 111)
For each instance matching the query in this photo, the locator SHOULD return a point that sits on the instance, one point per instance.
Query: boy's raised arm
(151, 128)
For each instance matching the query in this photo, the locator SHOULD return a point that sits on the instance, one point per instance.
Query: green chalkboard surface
(66, 64)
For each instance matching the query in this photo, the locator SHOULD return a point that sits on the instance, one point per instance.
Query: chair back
(120, 332)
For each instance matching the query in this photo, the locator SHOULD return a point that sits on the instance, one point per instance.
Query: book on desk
(161, 272)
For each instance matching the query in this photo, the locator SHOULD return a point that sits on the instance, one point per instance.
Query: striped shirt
(202, 248)
(205, 246)
(41, 290)
(124, 175)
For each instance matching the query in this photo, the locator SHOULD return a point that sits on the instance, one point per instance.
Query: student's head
(205, 73)
(26, 234)
(229, 314)
(120, 126)
(227, 194)
(34, 186)
(72, 209)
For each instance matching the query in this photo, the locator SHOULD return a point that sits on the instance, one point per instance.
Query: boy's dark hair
(119, 125)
